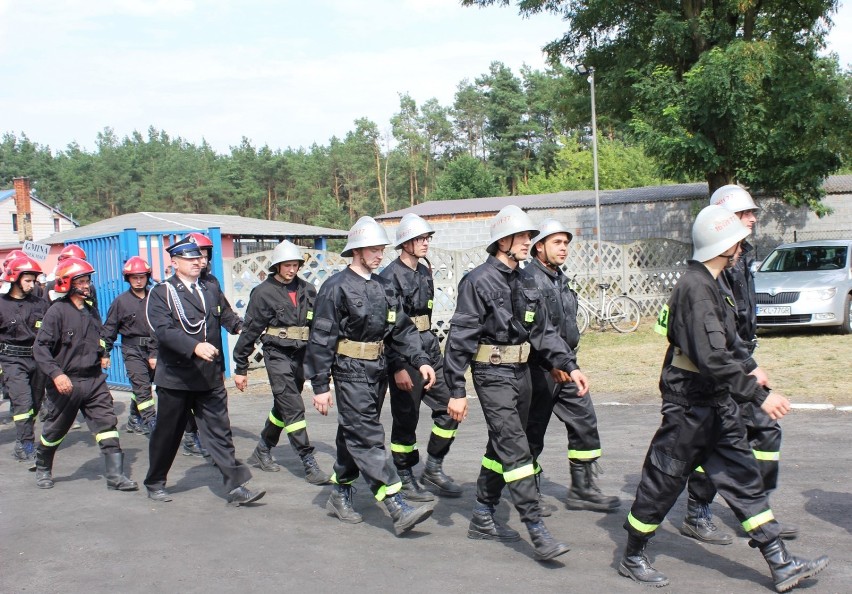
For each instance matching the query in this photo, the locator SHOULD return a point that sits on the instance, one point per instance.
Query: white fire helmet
(285, 251)
(510, 220)
(734, 198)
(715, 231)
(547, 228)
(411, 226)
(366, 232)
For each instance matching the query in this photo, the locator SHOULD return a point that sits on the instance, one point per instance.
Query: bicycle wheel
(623, 314)
(582, 318)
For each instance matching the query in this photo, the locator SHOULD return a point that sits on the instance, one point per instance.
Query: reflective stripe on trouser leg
(405, 412)
(20, 378)
(140, 375)
(578, 415)
(337, 481)
(584, 455)
(764, 435)
(388, 491)
(23, 416)
(286, 378)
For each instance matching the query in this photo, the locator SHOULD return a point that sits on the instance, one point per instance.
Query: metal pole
(597, 188)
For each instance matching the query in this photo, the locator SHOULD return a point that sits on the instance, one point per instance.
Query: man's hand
(104, 362)
(206, 351)
(760, 376)
(776, 406)
(152, 363)
(63, 384)
(559, 376)
(428, 376)
(241, 382)
(582, 382)
(323, 403)
(403, 380)
(457, 409)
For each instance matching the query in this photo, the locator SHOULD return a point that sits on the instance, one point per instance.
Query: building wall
(42, 220)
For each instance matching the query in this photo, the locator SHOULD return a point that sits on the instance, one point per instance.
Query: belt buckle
(282, 333)
(496, 356)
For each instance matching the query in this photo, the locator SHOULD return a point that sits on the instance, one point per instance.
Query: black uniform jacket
(21, 318)
(350, 306)
(560, 303)
(270, 305)
(501, 306)
(417, 290)
(740, 279)
(126, 316)
(178, 367)
(701, 324)
(69, 340)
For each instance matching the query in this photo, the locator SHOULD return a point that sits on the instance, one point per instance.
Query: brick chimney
(23, 187)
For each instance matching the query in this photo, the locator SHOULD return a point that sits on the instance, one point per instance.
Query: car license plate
(773, 310)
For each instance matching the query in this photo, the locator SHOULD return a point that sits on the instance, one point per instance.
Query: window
(56, 224)
(14, 221)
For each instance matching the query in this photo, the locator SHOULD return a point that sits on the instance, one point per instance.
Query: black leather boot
(44, 468)
(242, 495)
(635, 565)
(340, 504)
(787, 570)
(313, 473)
(262, 458)
(698, 524)
(192, 446)
(411, 489)
(24, 451)
(433, 476)
(584, 492)
(404, 516)
(546, 547)
(115, 479)
(483, 525)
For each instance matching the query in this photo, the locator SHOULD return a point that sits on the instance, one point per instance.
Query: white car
(808, 283)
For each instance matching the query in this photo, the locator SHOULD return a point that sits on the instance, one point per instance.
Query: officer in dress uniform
(126, 317)
(279, 314)
(69, 351)
(701, 422)
(184, 315)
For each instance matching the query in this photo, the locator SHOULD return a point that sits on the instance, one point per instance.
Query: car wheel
(846, 327)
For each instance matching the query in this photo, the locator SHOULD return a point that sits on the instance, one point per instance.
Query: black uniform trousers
(764, 436)
(713, 437)
(286, 378)
(25, 386)
(210, 408)
(361, 438)
(504, 393)
(405, 409)
(576, 412)
(140, 375)
(89, 395)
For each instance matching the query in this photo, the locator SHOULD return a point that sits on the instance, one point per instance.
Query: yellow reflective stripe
(518, 473)
(445, 433)
(537, 468)
(23, 416)
(391, 319)
(529, 316)
(133, 397)
(386, 490)
(403, 449)
(641, 526)
(310, 315)
(430, 303)
(51, 444)
(584, 454)
(102, 343)
(662, 325)
(767, 456)
(146, 404)
(38, 324)
(492, 465)
(106, 435)
(699, 469)
(275, 421)
(758, 520)
(296, 426)
(337, 481)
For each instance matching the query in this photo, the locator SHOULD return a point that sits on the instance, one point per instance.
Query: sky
(283, 73)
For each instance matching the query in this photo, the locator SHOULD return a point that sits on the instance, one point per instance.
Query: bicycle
(622, 312)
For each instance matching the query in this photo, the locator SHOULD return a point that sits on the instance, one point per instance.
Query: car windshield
(812, 257)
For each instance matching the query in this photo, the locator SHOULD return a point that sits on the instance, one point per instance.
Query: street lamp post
(590, 70)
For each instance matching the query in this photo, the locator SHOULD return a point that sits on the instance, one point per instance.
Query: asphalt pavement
(80, 537)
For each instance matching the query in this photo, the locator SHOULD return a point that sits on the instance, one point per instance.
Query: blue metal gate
(108, 253)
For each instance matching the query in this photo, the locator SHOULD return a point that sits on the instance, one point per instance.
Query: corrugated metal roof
(173, 221)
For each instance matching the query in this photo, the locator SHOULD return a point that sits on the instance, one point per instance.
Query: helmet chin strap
(544, 258)
(509, 252)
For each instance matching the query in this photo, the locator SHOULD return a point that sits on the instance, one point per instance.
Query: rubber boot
(44, 468)
(433, 476)
(340, 504)
(313, 473)
(546, 547)
(24, 451)
(192, 446)
(483, 525)
(584, 492)
(411, 489)
(262, 458)
(115, 479)
(403, 515)
(787, 570)
(698, 524)
(635, 565)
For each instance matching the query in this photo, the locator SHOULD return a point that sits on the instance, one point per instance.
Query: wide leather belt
(369, 351)
(497, 354)
(14, 350)
(136, 340)
(422, 322)
(291, 332)
(681, 361)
